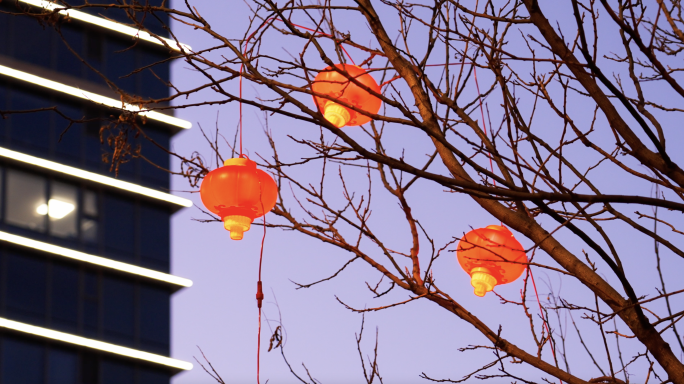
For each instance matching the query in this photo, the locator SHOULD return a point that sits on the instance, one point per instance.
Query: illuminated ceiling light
(111, 25)
(56, 209)
(42, 209)
(94, 97)
(92, 259)
(94, 344)
(76, 172)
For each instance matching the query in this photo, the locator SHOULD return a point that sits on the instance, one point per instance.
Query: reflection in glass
(61, 208)
(90, 211)
(25, 194)
(89, 203)
(89, 230)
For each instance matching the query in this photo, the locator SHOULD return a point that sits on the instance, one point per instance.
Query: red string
(241, 109)
(260, 293)
(529, 270)
(484, 124)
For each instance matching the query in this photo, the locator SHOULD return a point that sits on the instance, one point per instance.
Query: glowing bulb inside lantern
(482, 281)
(237, 225)
(336, 114)
(56, 209)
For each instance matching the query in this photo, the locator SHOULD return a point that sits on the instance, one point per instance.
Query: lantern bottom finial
(237, 225)
(482, 281)
(336, 114)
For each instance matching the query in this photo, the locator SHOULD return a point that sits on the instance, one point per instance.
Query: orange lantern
(239, 193)
(338, 87)
(491, 256)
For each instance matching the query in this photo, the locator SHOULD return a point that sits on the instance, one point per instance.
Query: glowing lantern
(491, 256)
(239, 193)
(338, 87)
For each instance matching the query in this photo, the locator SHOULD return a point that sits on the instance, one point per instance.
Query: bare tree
(570, 90)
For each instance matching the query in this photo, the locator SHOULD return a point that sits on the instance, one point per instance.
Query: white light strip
(76, 172)
(96, 260)
(94, 97)
(94, 344)
(111, 25)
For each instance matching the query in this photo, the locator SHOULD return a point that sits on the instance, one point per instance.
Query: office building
(85, 287)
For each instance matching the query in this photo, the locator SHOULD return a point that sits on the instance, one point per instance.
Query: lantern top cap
(239, 161)
(498, 228)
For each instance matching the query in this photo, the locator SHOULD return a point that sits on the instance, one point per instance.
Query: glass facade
(65, 295)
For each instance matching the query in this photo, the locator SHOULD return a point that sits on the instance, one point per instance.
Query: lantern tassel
(336, 114)
(482, 281)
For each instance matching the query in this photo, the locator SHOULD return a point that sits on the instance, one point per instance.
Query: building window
(17, 357)
(62, 367)
(61, 210)
(26, 288)
(117, 372)
(89, 217)
(64, 299)
(91, 304)
(118, 302)
(26, 203)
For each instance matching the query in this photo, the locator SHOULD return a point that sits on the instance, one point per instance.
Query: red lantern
(491, 256)
(336, 85)
(239, 193)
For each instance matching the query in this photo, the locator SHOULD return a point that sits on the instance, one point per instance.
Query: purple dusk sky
(219, 314)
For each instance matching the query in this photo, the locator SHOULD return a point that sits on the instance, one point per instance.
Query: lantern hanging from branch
(239, 193)
(491, 256)
(339, 87)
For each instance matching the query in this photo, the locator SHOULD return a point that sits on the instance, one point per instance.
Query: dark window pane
(5, 34)
(67, 140)
(152, 175)
(121, 62)
(119, 226)
(26, 287)
(3, 107)
(154, 237)
(115, 372)
(92, 147)
(64, 300)
(151, 86)
(26, 205)
(30, 129)
(22, 362)
(148, 376)
(90, 369)
(93, 54)
(119, 309)
(68, 62)
(32, 41)
(90, 303)
(62, 367)
(154, 315)
(62, 210)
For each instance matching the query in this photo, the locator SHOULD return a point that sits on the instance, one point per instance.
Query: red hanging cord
(484, 124)
(260, 298)
(529, 270)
